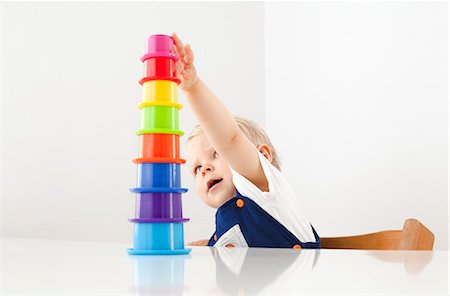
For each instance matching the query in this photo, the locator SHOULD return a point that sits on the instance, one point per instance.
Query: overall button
(240, 203)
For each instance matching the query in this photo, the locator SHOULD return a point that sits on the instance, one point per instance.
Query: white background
(354, 96)
(357, 103)
(69, 114)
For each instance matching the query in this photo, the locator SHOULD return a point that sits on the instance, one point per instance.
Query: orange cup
(159, 148)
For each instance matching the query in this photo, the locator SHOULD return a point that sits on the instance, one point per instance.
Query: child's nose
(206, 168)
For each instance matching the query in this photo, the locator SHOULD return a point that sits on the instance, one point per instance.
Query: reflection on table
(52, 267)
(251, 270)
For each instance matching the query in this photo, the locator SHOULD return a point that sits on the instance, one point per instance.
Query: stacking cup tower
(158, 223)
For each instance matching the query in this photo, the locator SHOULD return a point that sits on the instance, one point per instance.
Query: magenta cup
(158, 205)
(160, 46)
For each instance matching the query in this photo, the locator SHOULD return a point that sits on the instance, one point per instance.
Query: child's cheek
(198, 186)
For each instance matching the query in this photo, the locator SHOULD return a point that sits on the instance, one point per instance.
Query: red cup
(160, 68)
(159, 148)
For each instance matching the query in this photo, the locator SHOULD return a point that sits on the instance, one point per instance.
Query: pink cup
(160, 46)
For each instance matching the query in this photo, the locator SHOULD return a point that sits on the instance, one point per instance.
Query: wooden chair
(413, 236)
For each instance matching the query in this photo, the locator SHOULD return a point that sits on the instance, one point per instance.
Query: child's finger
(176, 51)
(179, 47)
(179, 68)
(189, 57)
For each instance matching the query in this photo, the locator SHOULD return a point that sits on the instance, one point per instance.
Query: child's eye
(197, 169)
(216, 154)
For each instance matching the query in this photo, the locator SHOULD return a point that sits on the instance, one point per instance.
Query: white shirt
(280, 202)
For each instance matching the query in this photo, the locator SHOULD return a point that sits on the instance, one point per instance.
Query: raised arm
(219, 125)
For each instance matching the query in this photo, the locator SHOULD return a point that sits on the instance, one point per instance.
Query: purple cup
(159, 220)
(165, 205)
(160, 46)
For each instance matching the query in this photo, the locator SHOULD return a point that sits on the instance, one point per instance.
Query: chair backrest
(414, 236)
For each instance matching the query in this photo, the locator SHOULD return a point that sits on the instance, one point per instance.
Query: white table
(52, 267)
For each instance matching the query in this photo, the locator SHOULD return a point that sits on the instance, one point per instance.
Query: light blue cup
(158, 239)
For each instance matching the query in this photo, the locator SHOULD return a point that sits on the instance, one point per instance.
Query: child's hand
(203, 243)
(185, 64)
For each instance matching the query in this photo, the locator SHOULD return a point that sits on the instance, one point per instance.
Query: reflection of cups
(158, 275)
(160, 69)
(159, 148)
(160, 91)
(158, 175)
(158, 205)
(160, 237)
(159, 120)
(159, 46)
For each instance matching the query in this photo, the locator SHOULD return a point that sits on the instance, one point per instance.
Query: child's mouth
(212, 184)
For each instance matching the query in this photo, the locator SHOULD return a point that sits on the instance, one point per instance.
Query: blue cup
(158, 175)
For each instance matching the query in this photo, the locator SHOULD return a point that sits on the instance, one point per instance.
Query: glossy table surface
(52, 267)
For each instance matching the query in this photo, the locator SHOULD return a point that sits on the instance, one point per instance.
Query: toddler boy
(237, 171)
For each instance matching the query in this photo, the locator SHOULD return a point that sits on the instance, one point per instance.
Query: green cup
(159, 120)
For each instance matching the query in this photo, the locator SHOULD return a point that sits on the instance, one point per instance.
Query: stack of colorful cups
(159, 220)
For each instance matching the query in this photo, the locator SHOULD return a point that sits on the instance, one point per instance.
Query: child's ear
(265, 150)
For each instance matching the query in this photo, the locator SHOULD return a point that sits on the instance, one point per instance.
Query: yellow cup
(160, 91)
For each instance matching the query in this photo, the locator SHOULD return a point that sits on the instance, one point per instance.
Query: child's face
(212, 174)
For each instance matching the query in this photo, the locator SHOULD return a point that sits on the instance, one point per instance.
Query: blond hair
(254, 132)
